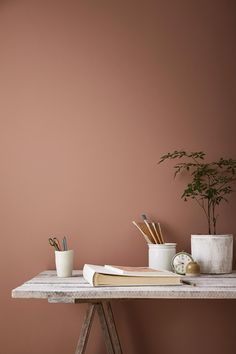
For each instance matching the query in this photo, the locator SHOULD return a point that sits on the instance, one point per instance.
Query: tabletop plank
(47, 285)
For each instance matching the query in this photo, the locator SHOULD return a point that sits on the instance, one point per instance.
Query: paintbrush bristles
(144, 217)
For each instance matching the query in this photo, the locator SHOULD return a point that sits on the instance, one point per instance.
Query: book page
(133, 269)
(138, 271)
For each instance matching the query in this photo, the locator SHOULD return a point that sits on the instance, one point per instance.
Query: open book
(109, 276)
(136, 271)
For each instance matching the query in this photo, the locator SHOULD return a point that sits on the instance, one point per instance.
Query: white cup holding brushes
(160, 253)
(63, 258)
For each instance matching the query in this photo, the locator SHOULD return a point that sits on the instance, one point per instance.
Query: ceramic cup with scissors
(64, 263)
(63, 259)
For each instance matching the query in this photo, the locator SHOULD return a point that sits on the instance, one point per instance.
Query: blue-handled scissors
(55, 243)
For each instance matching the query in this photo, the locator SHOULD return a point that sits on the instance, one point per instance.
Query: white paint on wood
(47, 285)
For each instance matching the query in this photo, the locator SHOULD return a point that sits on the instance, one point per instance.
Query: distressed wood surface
(85, 330)
(105, 328)
(112, 327)
(107, 322)
(47, 285)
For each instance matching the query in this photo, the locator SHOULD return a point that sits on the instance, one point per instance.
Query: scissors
(55, 243)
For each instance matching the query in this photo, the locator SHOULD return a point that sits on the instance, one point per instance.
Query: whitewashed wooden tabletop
(47, 285)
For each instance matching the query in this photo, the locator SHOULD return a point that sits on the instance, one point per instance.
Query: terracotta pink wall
(92, 93)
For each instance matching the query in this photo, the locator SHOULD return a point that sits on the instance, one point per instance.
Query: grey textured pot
(214, 253)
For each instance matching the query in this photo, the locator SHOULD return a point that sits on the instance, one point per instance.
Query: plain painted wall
(92, 93)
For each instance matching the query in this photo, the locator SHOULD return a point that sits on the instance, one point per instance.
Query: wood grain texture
(105, 328)
(107, 322)
(85, 330)
(112, 327)
(47, 285)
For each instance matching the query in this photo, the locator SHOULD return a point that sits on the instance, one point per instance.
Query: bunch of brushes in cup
(151, 231)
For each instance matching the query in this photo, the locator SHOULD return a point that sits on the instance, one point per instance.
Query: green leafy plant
(211, 182)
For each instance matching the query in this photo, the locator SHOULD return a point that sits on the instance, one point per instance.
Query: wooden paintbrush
(142, 232)
(161, 235)
(157, 234)
(144, 217)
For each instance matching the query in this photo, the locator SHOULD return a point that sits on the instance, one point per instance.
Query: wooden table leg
(85, 330)
(105, 329)
(108, 326)
(112, 327)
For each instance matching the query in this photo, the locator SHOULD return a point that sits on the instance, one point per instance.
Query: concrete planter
(214, 253)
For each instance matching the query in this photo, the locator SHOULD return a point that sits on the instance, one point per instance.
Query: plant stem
(214, 217)
(195, 160)
(202, 206)
(209, 216)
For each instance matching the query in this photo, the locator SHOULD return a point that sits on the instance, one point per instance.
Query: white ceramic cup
(64, 263)
(160, 255)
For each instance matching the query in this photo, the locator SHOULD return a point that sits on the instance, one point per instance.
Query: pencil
(188, 282)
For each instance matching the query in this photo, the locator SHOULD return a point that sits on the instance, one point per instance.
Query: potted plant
(210, 184)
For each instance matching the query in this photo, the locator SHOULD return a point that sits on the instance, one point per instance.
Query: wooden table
(76, 290)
